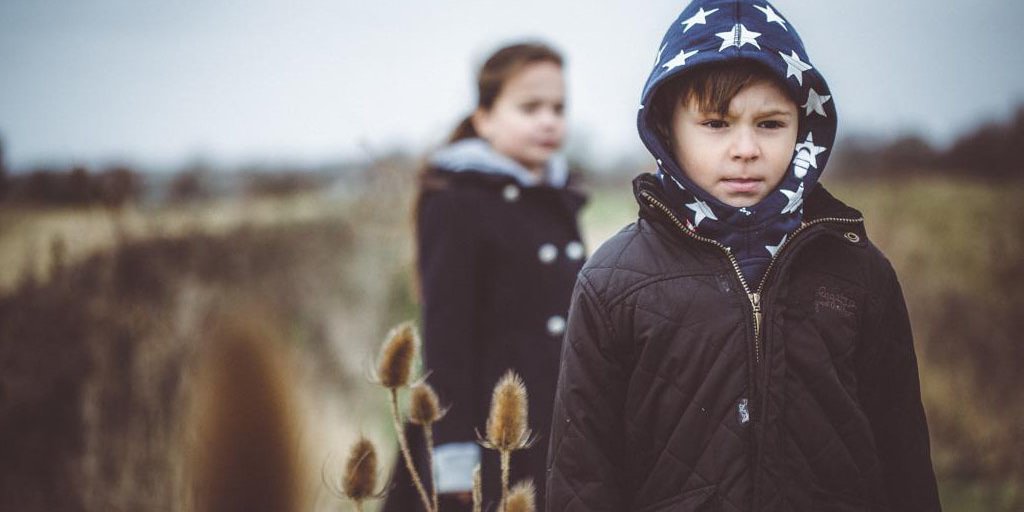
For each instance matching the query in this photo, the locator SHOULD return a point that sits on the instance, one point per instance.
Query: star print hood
(710, 31)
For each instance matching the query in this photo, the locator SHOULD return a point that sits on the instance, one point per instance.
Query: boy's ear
(481, 120)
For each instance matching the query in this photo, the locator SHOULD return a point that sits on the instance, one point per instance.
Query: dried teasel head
(360, 478)
(394, 368)
(424, 406)
(507, 425)
(521, 498)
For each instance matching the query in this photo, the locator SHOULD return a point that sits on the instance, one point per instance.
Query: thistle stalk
(428, 436)
(477, 490)
(506, 456)
(406, 454)
(508, 425)
(425, 410)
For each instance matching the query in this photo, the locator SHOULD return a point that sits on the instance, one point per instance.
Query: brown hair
(711, 87)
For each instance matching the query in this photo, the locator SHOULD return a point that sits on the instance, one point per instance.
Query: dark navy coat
(497, 262)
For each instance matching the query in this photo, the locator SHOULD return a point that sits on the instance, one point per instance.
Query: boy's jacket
(715, 31)
(679, 391)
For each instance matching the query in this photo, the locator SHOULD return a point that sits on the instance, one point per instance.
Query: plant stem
(477, 491)
(506, 455)
(359, 506)
(404, 445)
(428, 435)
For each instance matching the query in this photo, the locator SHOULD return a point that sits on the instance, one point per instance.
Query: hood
(721, 30)
(477, 155)
(710, 31)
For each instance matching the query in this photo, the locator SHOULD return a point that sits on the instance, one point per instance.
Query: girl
(498, 252)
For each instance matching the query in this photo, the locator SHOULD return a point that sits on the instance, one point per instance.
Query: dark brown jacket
(680, 389)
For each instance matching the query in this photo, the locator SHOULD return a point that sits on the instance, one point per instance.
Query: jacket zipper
(755, 296)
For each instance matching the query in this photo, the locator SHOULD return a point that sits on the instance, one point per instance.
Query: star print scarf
(721, 30)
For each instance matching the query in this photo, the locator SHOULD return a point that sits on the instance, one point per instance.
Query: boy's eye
(714, 123)
(772, 125)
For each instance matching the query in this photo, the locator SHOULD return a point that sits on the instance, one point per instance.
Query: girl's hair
(711, 87)
(496, 72)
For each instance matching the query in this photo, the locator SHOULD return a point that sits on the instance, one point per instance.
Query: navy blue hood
(722, 30)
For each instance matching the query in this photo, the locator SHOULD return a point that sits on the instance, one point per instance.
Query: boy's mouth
(742, 185)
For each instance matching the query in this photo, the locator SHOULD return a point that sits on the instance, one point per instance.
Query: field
(109, 323)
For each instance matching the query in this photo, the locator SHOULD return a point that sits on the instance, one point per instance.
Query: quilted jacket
(683, 389)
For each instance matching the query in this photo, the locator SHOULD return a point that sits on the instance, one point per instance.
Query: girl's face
(527, 120)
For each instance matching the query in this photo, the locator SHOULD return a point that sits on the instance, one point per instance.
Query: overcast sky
(232, 81)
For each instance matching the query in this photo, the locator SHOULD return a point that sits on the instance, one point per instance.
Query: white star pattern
(772, 16)
(657, 58)
(806, 156)
(772, 249)
(816, 103)
(701, 18)
(795, 66)
(739, 36)
(680, 59)
(796, 198)
(701, 211)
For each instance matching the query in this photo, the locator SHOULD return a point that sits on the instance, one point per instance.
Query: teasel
(394, 371)
(508, 425)
(477, 490)
(395, 366)
(522, 498)
(360, 477)
(425, 410)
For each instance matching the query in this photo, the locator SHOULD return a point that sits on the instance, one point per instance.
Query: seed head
(521, 498)
(394, 368)
(507, 425)
(360, 477)
(424, 407)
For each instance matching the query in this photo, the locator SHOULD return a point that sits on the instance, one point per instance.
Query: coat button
(510, 193)
(547, 253)
(853, 237)
(574, 250)
(556, 325)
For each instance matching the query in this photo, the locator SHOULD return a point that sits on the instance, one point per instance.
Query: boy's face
(739, 158)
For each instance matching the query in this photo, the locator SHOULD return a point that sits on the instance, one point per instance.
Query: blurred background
(186, 184)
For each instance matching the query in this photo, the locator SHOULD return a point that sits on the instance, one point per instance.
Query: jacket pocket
(701, 499)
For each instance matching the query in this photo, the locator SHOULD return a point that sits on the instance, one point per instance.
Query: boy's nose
(744, 146)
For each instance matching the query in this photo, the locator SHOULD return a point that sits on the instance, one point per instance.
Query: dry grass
(99, 339)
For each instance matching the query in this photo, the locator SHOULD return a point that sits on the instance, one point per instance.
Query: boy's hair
(711, 87)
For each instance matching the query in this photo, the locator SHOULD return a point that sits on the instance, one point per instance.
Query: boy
(742, 346)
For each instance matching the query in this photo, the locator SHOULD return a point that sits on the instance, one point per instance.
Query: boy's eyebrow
(766, 113)
(778, 112)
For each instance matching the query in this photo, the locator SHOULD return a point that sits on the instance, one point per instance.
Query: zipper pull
(755, 301)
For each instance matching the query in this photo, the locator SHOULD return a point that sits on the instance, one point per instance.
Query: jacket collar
(477, 155)
(820, 204)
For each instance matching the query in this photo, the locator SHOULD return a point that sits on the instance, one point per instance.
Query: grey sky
(239, 81)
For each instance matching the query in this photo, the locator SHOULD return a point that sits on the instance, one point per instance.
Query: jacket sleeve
(585, 452)
(450, 266)
(891, 395)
